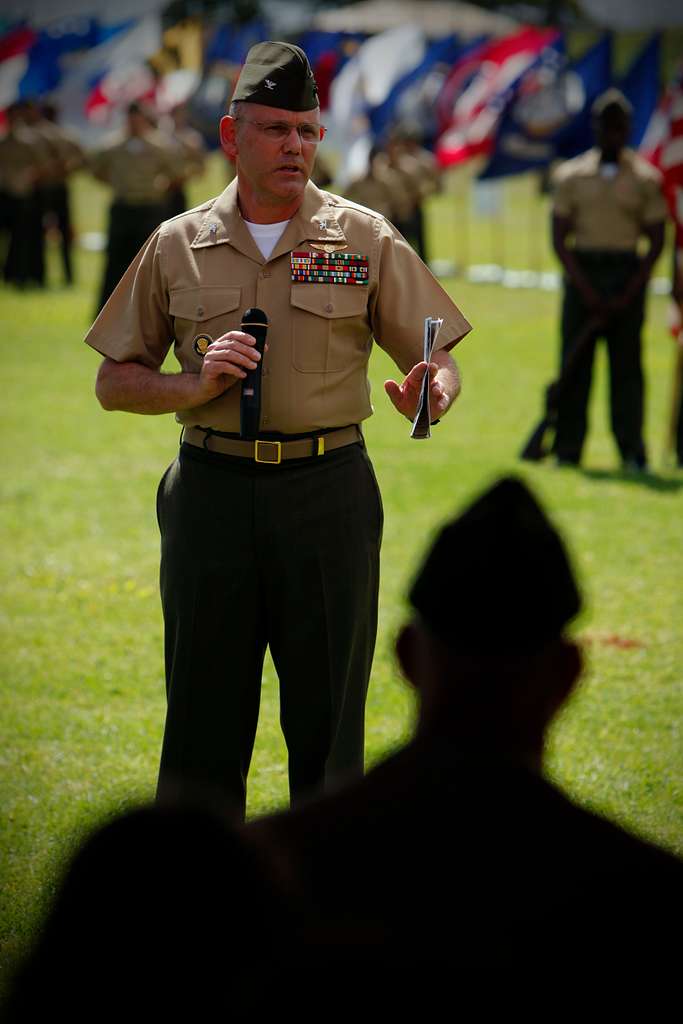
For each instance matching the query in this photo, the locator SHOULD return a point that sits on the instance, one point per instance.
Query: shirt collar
(315, 221)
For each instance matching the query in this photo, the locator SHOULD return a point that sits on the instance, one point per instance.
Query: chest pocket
(213, 311)
(330, 327)
(629, 197)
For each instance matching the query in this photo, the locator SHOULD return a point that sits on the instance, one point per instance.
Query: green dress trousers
(256, 555)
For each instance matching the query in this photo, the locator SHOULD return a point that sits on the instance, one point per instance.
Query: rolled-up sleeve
(405, 293)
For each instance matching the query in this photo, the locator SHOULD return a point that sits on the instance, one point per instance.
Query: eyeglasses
(278, 131)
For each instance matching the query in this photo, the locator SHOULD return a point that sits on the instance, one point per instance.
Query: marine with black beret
(273, 542)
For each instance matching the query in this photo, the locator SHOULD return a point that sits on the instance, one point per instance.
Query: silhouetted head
(485, 649)
(164, 909)
(611, 114)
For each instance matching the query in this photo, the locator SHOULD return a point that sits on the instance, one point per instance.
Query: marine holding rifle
(272, 541)
(604, 202)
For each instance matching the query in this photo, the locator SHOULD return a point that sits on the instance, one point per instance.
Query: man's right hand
(226, 361)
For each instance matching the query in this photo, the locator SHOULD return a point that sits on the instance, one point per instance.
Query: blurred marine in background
(141, 166)
(605, 201)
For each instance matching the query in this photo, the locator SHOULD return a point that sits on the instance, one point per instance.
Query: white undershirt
(266, 236)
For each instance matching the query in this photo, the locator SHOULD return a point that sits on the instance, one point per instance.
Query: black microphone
(254, 322)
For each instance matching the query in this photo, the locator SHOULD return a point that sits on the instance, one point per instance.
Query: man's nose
(292, 143)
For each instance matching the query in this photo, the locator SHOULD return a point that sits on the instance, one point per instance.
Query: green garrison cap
(612, 99)
(497, 579)
(277, 75)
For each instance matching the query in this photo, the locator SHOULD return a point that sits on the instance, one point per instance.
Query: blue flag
(316, 44)
(398, 104)
(548, 117)
(641, 87)
(67, 36)
(232, 42)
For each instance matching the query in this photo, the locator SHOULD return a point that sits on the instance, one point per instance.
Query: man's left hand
(406, 396)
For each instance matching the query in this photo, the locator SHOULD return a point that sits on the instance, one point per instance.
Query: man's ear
(227, 131)
(407, 653)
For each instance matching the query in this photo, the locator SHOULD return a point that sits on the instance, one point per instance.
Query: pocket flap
(199, 304)
(330, 301)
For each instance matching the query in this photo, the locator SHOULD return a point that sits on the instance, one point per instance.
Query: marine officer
(274, 542)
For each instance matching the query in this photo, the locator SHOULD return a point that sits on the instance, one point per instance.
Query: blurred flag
(15, 45)
(327, 53)
(595, 71)
(16, 41)
(475, 93)
(663, 146)
(403, 102)
(364, 82)
(231, 43)
(641, 86)
(33, 62)
(548, 114)
(94, 91)
(53, 46)
(663, 124)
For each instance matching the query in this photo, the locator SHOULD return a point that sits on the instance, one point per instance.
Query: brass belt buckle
(272, 453)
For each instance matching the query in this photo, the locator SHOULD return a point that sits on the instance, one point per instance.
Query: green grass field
(82, 688)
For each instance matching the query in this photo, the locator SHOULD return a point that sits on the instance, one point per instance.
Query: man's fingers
(227, 339)
(393, 390)
(416, 375)
(232, 352)
(220, 369)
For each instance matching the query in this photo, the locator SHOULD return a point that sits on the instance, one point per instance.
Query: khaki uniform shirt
(429, 180)
(139, 169)
(375, 191)
(66, 152)
(22, 161)
(201, 271)
(608, 213)
(191, 150)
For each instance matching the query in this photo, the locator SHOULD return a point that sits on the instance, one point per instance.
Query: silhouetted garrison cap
(497, 579)
(279, 75)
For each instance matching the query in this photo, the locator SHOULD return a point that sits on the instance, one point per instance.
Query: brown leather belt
(272, 452)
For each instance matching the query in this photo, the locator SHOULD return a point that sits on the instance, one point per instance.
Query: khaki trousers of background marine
(252, 555)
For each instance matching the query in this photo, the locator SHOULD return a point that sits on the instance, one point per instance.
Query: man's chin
(290, 188)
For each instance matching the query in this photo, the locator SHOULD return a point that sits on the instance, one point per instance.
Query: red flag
(663, 146)
(16, 42)
(473, 96)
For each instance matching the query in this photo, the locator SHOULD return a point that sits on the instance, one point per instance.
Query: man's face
(138, 124)
(275, 170)
(612, 130)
